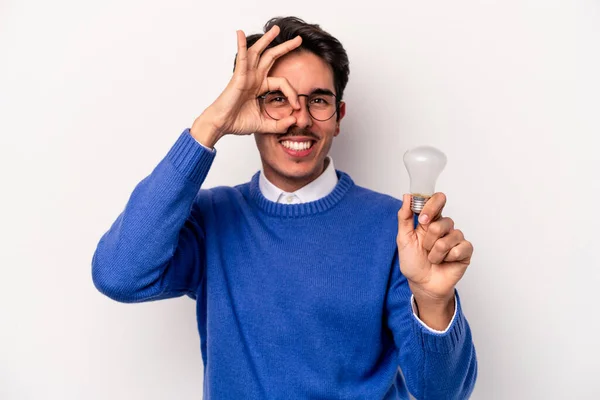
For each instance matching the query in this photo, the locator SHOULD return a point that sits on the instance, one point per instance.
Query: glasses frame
(262, 98)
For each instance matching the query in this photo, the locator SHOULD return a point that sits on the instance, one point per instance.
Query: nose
(303, 118)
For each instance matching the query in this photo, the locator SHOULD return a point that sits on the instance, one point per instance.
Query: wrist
(427, 298)
(436, 312)
(205, 132)
(440, 309)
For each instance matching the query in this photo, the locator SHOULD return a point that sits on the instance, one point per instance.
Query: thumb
(405, 222)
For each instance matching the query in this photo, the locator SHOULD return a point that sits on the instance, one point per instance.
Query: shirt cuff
(414, 308)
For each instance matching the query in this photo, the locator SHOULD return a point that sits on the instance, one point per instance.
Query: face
(305, 72)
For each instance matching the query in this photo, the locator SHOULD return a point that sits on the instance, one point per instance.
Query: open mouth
(299, 147)
(296, 145)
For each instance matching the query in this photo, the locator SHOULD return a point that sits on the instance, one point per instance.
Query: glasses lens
(276, 105)
(321, 106)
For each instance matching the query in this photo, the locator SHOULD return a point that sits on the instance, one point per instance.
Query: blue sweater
(302, 301)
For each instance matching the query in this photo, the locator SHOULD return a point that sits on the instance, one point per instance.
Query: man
(307, 285)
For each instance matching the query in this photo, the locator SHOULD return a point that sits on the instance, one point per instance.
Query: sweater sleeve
(155, 248)
(434, 365)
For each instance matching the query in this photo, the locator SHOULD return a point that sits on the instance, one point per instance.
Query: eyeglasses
(322, 105)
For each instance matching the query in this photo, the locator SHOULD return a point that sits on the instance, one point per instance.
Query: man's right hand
(237, 111)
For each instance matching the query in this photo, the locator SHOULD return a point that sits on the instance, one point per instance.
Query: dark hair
(315, 40)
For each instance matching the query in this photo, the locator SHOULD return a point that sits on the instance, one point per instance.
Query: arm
(434, 365)
(431, 258)
(154, 249)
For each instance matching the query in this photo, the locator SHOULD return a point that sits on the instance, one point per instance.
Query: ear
(342, 113)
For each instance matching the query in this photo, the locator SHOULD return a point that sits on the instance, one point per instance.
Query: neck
(289, 183)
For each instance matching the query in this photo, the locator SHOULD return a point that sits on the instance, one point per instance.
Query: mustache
(291, 132)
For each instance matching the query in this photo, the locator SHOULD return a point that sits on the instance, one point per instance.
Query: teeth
(296, 145)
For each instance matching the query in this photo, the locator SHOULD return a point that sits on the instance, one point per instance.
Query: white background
(93, 94)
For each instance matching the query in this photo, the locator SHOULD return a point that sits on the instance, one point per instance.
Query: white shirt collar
(315, 190)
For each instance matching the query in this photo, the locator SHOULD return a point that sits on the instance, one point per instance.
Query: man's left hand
(433, 256)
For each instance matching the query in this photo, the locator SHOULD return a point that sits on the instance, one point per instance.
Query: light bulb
(424, 165)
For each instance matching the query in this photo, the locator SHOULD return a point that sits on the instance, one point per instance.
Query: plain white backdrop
(93, 94)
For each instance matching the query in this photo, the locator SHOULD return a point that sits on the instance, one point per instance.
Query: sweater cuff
(190, 158)
(444, 342)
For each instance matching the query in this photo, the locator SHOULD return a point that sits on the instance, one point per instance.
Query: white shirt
(316, 190)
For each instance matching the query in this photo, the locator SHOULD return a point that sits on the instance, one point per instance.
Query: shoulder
(371, 199)
(222, 197)
(368, 206)
(375, 215)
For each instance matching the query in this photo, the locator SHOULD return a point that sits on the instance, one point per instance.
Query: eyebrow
(313, 92)
(322, 91)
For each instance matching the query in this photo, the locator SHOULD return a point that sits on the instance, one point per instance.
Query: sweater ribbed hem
(304, 209)
(190, 158)
(442, 342)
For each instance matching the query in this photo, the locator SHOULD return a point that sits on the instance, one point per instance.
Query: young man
(307, 285)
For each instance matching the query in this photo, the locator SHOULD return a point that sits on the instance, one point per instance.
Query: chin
(298, 171)
(301, 173)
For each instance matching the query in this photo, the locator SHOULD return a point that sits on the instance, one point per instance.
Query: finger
(270, 56)
(261, 44)
(443, 246)
(274, 83)
(405, 223)
(437, 230)
(241, 61)
(277, 126)
(461, 252)
(433, 208)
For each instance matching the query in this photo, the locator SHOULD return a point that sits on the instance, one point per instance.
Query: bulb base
(417, 203)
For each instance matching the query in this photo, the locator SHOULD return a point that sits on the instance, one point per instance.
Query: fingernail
(423, 218)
